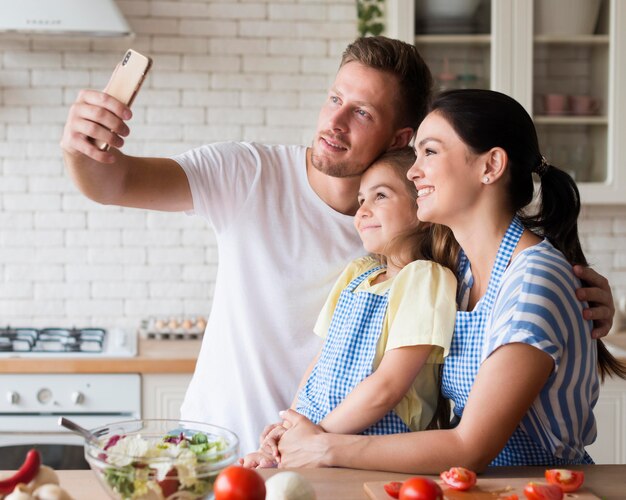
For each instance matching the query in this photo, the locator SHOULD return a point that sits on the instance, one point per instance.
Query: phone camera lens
(126, 58)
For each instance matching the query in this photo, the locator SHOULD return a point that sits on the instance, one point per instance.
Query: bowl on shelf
(566, 17)
(160, 459)
(446, 16)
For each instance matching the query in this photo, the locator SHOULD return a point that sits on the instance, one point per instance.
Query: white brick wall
(248, 69)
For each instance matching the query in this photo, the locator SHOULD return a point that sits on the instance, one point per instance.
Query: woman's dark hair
(485, 119)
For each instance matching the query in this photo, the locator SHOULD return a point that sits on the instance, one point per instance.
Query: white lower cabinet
(162, 397)
(610, 412)
(162, 394)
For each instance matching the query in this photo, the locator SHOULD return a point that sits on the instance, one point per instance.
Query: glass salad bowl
(160, 459)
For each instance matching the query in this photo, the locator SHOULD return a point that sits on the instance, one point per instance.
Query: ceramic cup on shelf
(555, 104)
(584, 105)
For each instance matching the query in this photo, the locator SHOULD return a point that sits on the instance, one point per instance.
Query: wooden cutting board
(485, 489)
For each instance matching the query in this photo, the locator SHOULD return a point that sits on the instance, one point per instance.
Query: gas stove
(66, 342)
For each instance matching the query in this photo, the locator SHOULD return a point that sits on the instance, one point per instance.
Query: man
(283, 220)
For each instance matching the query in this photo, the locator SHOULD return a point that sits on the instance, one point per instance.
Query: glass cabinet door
(454, 37)
(571, 85)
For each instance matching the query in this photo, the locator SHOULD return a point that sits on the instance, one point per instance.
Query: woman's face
(386, 207)
(446, 173)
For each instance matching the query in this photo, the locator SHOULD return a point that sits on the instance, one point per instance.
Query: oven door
(33, 403)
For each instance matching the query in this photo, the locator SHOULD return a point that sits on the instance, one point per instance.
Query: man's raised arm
(111, 177)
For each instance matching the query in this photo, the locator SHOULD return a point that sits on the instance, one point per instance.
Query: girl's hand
(267, 430)
(303, 443)
(597, 293)
(258, 460)
(269, 445)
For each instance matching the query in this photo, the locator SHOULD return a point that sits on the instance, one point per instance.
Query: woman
(523, 370)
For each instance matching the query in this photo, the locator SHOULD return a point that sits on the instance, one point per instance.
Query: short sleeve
(422, 306)
(537, 305)
(352, 270)
(220, 176)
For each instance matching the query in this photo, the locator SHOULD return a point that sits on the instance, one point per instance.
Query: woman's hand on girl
(299, 445)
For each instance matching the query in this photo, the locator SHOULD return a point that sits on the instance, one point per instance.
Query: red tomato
(511, 497)
(459, 478)
(536, 491)
(237, 483)
(567, 480)
(420, 488)
(393, 488)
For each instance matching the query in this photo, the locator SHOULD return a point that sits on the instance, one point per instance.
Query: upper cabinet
(564, 60)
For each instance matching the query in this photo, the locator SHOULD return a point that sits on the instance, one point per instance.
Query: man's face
(357, 122)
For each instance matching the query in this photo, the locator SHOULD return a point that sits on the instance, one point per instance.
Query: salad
(174, 466)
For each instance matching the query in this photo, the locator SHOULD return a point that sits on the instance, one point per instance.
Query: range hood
(101, 18)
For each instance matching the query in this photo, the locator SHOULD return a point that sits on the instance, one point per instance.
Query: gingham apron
(466, 355)
(347, 356)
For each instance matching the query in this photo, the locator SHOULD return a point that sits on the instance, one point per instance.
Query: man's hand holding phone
(97, 119)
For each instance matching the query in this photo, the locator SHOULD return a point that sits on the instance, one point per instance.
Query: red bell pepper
(25, 474)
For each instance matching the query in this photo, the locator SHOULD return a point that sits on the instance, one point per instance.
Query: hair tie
(542, 167)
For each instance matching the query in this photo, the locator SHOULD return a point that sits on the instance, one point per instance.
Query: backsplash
(245, 70)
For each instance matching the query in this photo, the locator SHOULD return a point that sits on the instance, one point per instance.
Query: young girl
(387, 322)
(523, 371)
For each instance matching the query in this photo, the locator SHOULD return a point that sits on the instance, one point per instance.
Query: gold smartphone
(126, 80)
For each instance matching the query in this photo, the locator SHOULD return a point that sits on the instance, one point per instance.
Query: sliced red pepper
(25, 474)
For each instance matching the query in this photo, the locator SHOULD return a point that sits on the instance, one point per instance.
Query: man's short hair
(404, 62)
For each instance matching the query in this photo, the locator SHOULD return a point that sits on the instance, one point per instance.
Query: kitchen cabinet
(610, 413)
(502, 48)
(163, 394)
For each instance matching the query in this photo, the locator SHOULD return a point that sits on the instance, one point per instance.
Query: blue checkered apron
(462, 364)
(348, 355)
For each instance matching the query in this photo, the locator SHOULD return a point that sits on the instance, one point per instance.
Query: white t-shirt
(280, 249)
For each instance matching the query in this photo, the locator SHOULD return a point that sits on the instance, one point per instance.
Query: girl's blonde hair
(423, 241)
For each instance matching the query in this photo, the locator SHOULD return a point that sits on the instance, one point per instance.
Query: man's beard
(340, 169)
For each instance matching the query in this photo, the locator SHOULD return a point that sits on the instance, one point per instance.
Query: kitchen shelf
(572, 40)
(570, 120)
(478, 39)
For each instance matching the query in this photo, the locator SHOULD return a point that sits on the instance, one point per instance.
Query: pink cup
(584, 105)
(555, 104)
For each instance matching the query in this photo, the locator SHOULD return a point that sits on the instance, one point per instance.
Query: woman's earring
(486, 179)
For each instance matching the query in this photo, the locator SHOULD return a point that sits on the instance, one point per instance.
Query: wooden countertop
(155, 356)
(605, 481)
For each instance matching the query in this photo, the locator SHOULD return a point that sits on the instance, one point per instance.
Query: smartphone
(126, 80)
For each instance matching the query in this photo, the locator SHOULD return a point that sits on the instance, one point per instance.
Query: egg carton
(173, 327)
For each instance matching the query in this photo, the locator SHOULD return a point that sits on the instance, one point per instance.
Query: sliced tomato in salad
(170, 484)
(567, 480)
(459, 478)
(392, 488)
(536, 491)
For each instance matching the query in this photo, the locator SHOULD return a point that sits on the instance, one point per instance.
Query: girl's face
(446, 173)
(386, 207)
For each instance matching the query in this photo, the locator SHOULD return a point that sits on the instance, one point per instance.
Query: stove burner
(62, 340)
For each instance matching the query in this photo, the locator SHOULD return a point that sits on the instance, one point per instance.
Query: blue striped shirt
(537, 305)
